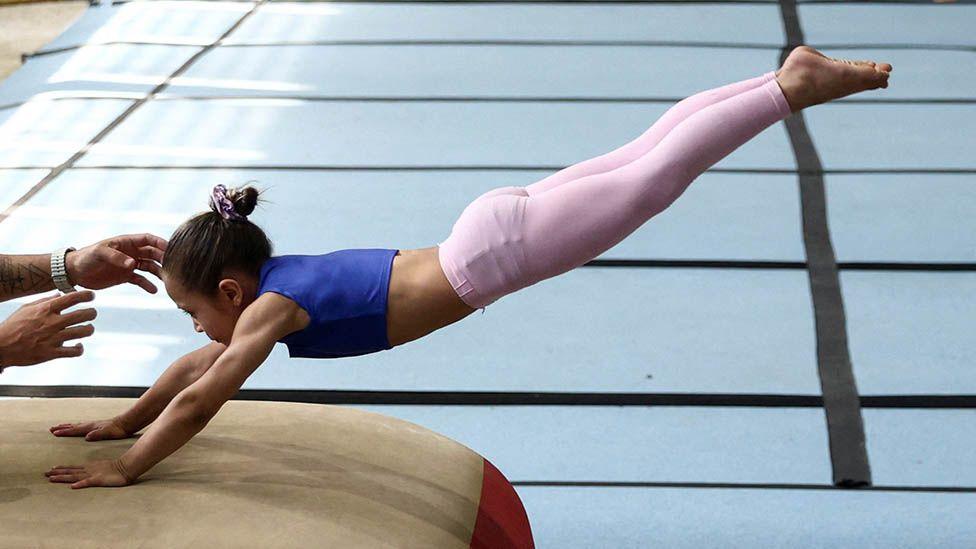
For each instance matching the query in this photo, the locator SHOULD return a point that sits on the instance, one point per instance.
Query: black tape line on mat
(734, 486)
(70, 162)
(500, 398)
(502, 43)
(444, 398)
(461, 99)
(845, 426)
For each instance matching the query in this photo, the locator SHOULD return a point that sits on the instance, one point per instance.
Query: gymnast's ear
(231, 291)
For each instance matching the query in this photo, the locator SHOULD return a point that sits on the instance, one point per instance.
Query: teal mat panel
(133, 70)
(695, 518)
(911, 333)
(178, 22)
(45, 134)
(247, 132)
(921, 447)
(283, 21)
(603, 72)
(637, 444)
(884, 137)
(881, 23)
(15, 183)
(902, 217)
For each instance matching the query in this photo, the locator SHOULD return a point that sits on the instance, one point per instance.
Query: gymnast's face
(215, 315)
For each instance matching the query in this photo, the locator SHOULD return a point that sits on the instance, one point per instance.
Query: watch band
(59, 272)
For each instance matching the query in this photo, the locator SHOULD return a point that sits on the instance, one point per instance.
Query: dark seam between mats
(463, 99)
(845, 427)
(407, 42)
(505, 398)
(513, 42)
(55, 172)
(734, 486)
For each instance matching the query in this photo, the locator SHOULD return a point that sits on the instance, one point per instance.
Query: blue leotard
(343, 292)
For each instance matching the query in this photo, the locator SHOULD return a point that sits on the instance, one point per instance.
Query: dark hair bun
(244, 199)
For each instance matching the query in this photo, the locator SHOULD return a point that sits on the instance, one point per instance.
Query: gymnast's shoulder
(275, 314)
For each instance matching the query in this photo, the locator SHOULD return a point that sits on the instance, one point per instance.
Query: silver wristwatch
(59, 272)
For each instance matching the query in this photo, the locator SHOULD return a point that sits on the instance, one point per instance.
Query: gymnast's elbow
(195, 409)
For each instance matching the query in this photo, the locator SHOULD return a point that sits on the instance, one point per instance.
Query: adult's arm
(101, 265)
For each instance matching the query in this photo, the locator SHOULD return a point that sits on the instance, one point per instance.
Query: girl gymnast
(218, 266)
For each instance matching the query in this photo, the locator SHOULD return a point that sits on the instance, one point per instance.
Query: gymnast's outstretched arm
(260, 326)
(180, 375)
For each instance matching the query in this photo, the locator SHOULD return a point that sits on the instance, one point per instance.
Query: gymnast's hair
(209, 244)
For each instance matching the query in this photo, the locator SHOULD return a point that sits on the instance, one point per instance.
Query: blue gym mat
(671, 393)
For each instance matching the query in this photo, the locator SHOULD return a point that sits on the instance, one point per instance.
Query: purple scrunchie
(223, 205)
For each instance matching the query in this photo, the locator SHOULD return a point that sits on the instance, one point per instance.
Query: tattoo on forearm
(20, 277)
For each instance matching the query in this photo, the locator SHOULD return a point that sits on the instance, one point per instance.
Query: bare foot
(809, 77)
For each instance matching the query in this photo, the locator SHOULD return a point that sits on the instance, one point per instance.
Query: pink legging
(513, 237)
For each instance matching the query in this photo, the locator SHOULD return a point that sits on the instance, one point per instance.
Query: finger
(150, 266)
(64, 478)
(117, 258)
(76, 317)
(151, 252)
(70, 431)
(46, 299)
(75, 332)
(63, 426)
(83, 484)
(96, 435)
(141, 240)
(66, 352)
(143, 283)
(60, 303)
(64, 471)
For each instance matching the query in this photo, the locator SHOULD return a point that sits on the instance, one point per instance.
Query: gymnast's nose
(197, 326)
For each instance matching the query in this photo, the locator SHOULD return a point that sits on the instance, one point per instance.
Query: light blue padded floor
(255, 132)
(263, 106)
(46, 133)
(179, 22)
(644, 444)
(119, 70)
(15, 183)
(288, 21)
(902, 217)
(436, 71)
(632, 518)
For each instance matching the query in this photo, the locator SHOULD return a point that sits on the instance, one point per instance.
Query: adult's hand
(36, 332)
(115, 260)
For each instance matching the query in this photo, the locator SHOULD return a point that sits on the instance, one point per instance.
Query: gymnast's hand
(108, 429)
(114, 261)
(95, 473)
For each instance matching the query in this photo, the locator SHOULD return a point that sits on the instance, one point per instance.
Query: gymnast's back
(345, 295)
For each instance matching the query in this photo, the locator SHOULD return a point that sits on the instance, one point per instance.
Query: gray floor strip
(845, 427)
